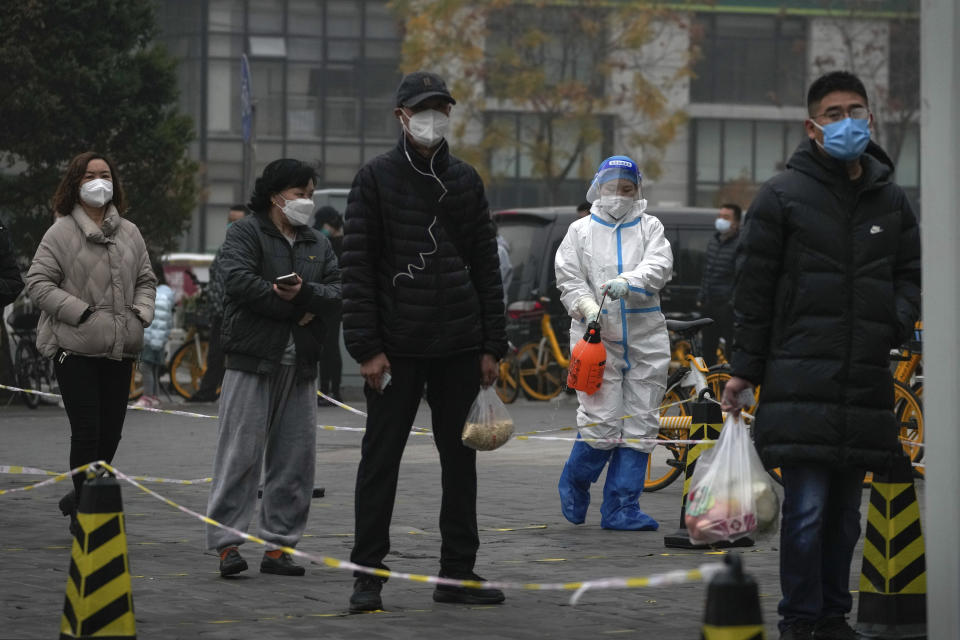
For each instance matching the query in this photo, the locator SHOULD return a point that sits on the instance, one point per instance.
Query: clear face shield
(615, 182)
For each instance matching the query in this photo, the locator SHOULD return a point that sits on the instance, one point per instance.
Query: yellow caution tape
(702, 573)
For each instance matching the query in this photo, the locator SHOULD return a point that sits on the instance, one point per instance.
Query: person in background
(715, 299)
(583, 209)
(329, 222)
(11, 284)
(272, 337)
(213, 376)
(828, 281)
(620, 253)
(506, 267)
(422, 303)
(92, 281)
(155, 342)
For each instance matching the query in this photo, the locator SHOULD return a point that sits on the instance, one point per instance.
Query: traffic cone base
(733, 605)
(707, 421)
(893, 580)
(99, 601)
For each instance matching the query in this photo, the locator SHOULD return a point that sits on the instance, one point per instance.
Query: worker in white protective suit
(620, 251)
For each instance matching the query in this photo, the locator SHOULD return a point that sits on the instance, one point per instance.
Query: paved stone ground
(178, 592)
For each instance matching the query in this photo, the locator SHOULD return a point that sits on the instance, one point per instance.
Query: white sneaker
(147, 402)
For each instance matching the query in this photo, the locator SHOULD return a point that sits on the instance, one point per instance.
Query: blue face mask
(846, 139)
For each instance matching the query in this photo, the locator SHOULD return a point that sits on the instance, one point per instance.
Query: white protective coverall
(596, 249)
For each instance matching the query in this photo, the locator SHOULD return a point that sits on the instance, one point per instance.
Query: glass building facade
(323, 74)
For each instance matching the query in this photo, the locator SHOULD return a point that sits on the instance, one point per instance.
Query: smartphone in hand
(290, 279)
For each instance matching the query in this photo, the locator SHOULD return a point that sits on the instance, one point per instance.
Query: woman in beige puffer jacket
(91, 279)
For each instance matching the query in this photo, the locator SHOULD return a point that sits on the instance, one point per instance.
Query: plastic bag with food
(488, 426)
(731, 496)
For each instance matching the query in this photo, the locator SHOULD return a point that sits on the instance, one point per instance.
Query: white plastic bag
(731, 496)
(488, 426)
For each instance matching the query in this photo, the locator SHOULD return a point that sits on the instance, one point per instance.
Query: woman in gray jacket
(92, 281)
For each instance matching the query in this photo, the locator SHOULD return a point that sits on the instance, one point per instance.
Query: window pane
(749, 59)
(908, 161)
(381, 23)
(343, 49)
(378, 120)
(305, 49)
(708, 150)
(342, 117)
(737, 147)
(305, 17)
(343, 19)
(268, 47)
(501, 129)
(266, 16)
(226, 15)
(770, 151)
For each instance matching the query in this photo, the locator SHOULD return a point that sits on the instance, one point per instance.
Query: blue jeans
(818, 532)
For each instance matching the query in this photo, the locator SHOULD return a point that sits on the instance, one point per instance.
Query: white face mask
(96, 193)
(297, 211)
(616, 206)
(722, 225)
(427, 127)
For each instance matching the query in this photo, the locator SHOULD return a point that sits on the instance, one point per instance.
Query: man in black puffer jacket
(715, 298)
(828, 281)
(422, 305)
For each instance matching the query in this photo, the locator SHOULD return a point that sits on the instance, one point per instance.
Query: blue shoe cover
(582, 468)
(621, 492)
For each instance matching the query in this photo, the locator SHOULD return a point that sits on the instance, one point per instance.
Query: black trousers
(213, 377)
(452, 385)
(95, 392)
(722, 314)
(331, 362)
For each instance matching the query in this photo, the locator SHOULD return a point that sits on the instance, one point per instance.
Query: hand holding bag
(488, 426)
(731, 495)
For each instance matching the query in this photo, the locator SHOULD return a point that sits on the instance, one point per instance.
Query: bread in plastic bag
(731, 495)
(488, 426)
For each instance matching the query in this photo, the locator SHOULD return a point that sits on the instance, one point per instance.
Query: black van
(534, 234)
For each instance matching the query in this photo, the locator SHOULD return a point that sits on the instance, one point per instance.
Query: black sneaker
(835, 628)
(231, 562)
(366, 594)
(798, 630)
(202, 397)
(466, 595)
(282, 566)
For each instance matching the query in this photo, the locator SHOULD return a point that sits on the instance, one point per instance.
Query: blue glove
(615, 289)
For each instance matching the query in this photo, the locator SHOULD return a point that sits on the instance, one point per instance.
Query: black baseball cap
(420, 85)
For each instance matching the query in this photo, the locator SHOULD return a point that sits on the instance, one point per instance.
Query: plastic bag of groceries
(488, 426)
(731, 495)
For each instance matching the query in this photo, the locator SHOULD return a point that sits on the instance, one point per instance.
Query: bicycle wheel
(666, 461)
(26, 363)
(908, 408)
(541, 379)
(187, 367)
(507, 386)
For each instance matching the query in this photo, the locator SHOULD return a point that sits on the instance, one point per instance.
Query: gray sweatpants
(269, 422)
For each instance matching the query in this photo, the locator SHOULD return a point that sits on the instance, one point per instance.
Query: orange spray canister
(588, 359)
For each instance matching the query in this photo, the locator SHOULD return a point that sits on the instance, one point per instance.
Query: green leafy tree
(85, 75)
(549, 81)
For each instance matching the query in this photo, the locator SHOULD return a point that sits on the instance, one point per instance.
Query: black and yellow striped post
(733, 605)
(706, 423)
(99, 600)
(893, 580)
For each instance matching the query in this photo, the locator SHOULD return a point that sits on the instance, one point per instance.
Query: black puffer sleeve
(362, 243)
(759, 265)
